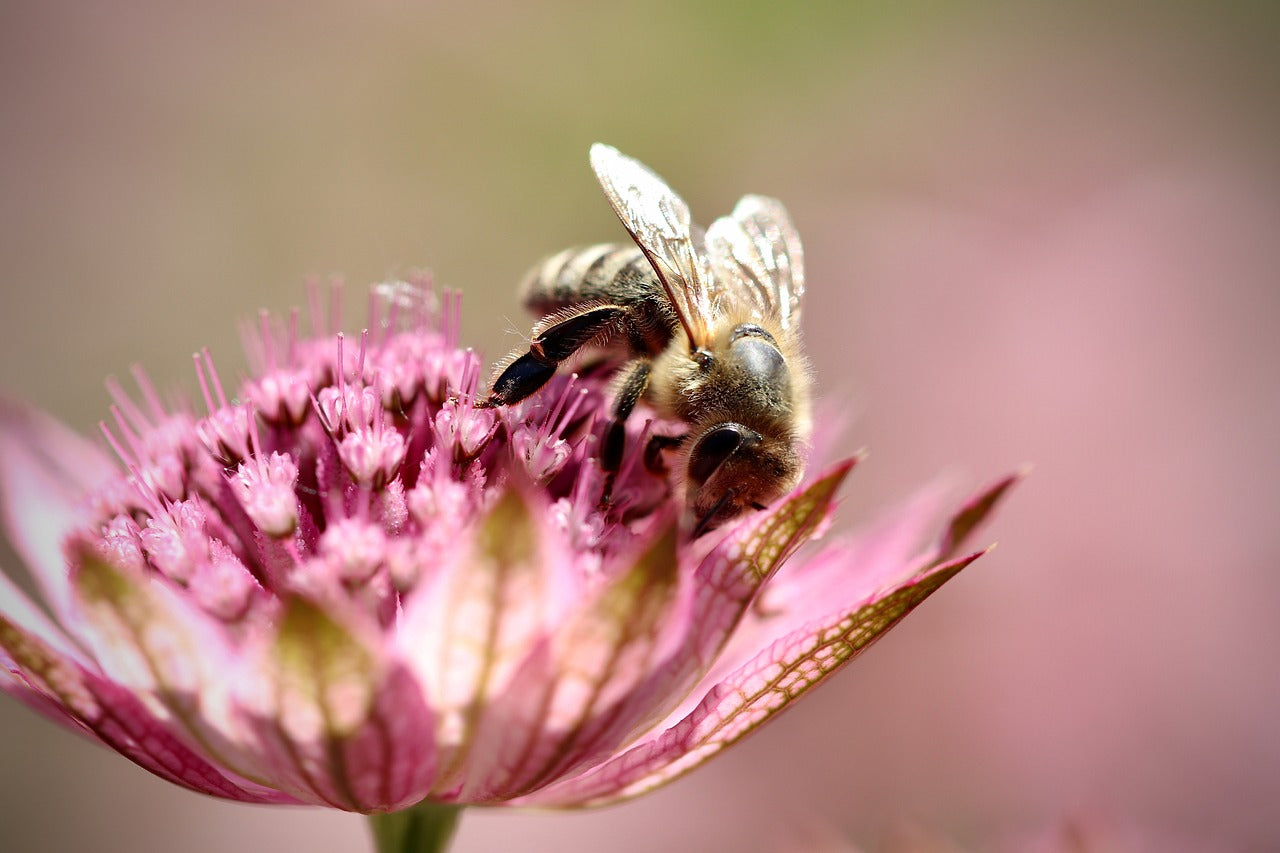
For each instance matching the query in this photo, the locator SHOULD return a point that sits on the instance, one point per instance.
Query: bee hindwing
(755, 254)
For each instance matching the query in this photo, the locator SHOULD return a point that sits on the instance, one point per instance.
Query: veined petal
(972, 514)
(45, 471)
(878, 557)
(12, 683)
(337, 721)
(468, 631)
(726, 582)
(748, 697)
(117, 718)
(737, 567)
(575, 685)
(22, 611)
(882, 557)
(148, 638)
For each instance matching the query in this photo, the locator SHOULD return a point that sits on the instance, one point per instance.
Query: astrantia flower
(346, 585)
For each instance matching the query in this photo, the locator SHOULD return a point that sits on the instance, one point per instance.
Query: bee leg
(630, 388)
(564, 334)
(653, 460)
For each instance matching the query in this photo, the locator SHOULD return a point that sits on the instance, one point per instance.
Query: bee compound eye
(715, 447)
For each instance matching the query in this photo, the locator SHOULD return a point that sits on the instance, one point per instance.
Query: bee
(707, 323)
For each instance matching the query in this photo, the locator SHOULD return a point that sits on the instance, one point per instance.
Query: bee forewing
(659, 222)
(757, 253)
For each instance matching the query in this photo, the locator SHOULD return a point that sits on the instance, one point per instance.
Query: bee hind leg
(555, 339)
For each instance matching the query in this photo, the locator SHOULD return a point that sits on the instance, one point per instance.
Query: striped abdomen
(607, 272)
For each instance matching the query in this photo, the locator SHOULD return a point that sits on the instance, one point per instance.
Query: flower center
(344, 470)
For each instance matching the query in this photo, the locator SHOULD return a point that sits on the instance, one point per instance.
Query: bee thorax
(759, 363)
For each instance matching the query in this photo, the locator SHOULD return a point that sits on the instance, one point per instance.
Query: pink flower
(346, 585)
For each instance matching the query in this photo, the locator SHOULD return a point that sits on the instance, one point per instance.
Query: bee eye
(717, 445)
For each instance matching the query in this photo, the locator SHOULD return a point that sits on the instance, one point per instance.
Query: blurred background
(1033, 233)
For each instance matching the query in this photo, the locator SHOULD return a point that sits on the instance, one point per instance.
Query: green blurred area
(164, 160)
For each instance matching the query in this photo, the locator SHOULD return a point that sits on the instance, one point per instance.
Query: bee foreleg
(555, 339)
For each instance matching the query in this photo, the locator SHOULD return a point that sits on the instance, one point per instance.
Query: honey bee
(708, 325)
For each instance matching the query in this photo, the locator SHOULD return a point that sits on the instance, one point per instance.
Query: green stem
(424, 828)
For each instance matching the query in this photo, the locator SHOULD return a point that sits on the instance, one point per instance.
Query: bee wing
(756, 253)
(659, 221)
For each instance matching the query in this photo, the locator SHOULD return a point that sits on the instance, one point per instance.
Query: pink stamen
(214, 380)
(125, 458)
(315, 313)
(335, 303)
(210, 406)
(470, 379)
(292, 351)
(341, 371)
(268, 341)
(149, 394)
(132, 438)
(125, 404)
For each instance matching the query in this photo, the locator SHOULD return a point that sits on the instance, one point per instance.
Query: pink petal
(725, 583)
(45, 471)
(973, 513)
(747, 698)
(336, 722)
(22, 611)
(470, 627)
(26, 616)
(117, 718)
(881, 558)
(878, 557)
(148, 637)
(12, 683)
(574, 686)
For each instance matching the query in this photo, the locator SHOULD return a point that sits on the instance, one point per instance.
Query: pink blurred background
(1032, 235)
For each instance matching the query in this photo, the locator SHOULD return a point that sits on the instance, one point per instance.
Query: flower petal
(576, 684)
(339, 722)
(726, 581)
(471, 625)
(117, 718)
(748, 697)
(973, 513)
(45, 471)
(735, 569)
(882, 557)
(18, 607)
(148, 637)
(22, 612)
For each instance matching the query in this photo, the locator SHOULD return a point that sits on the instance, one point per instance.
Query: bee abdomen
(608, 271)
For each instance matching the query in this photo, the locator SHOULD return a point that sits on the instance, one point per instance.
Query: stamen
(335, 303)
(315, 313)
(149, 394)
(132, 438)
(268, 341)
(213, 378)
(124, 403)
(126, 458)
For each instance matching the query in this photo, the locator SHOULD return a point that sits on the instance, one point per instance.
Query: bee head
(733, 468)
